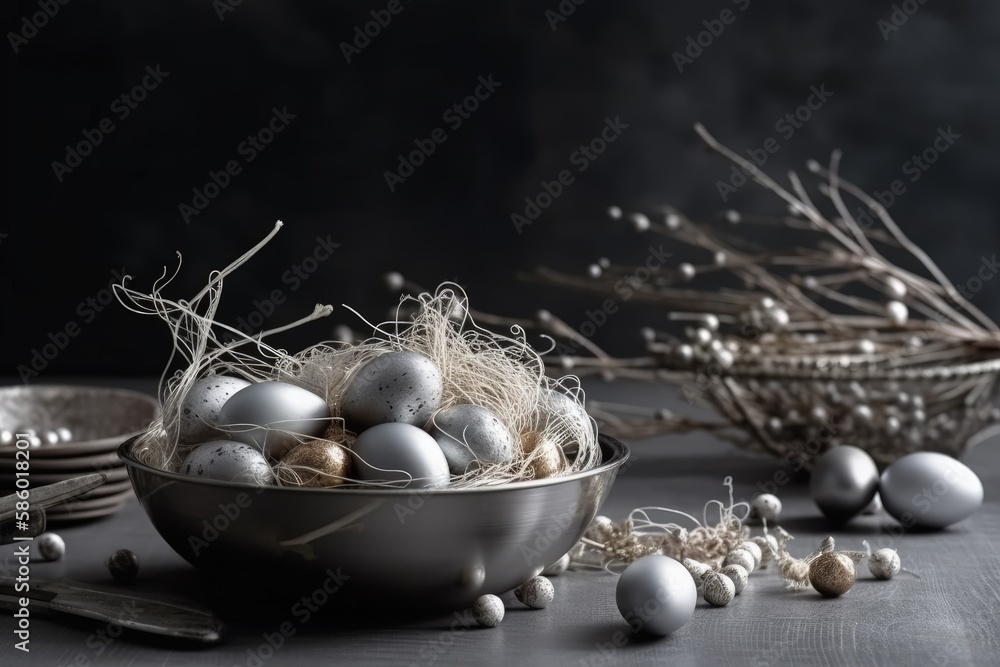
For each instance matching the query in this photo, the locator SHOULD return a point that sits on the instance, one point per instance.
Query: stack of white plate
(71, 431)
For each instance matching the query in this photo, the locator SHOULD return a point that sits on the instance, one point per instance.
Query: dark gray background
(451, 219)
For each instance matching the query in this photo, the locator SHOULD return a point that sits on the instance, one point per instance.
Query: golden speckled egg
(544, 456)
(315, 463)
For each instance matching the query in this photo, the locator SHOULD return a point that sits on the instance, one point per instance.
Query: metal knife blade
(50, 494)
(162, 617)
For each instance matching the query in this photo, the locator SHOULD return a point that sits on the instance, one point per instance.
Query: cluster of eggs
(927, 490)
(390, 428)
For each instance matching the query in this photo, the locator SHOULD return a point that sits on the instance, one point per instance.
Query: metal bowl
(429, 549)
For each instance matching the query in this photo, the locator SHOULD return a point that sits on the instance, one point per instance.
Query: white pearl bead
(897, 313)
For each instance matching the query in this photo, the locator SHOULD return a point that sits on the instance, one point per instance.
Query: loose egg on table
(470, 435)
(200, 408)
(402, 387)
(269, 414)
(228, 461)
(396, 452)
(930, 490)
(656, 594)
(844, 481)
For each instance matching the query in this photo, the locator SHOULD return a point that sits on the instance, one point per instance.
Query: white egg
(656, 594)
(470, 435)
(569, 408)
(930, 490)
(397, 452)
(201, 405)
(228, 461)
(268, 415)
(394, 387)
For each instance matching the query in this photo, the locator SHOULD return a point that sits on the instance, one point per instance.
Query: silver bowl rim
(118, 392)
(619, 455)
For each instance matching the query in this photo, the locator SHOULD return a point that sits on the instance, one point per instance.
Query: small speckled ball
(536, 592)
(768, 507)
(123, 565)
(738, 574)
(228, 461)
(546, 457)
(754, 550)
(488, 611)
(52, 547)
(884, 563)
(832, 574)
(719, 590)
(697, 569)
(299, 466)
(558, 567)
(740, 556)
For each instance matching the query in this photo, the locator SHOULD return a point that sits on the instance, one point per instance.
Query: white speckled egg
(843, 482)
(228, 461)
(394, 387)
(201, 405)
(930, 490)
(269, 414)
(567, 406)
(656, 594)
(470, 435)
(397, 452)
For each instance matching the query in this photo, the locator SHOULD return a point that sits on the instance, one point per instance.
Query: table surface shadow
(942, 611)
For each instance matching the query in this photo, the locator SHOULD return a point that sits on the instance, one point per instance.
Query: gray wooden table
(946, 613)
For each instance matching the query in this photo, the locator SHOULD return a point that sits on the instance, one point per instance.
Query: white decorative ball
(658, 593)
(537, 592)
(768, 507)
(740, 557)
(738, 574)
(488, 611)
(719, 589)
(52, 547)
(884, 563)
